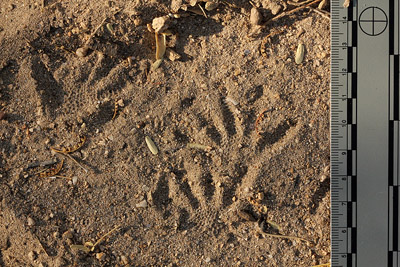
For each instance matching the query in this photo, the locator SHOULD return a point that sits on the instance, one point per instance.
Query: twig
(320, 12)
(99, 26)
(299, 4)
(283, 236)
(290, 12)
(202, 10)
(105, 235)
(60, 176)
(69, 156)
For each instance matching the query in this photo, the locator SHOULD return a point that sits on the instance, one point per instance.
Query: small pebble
(137, 22)
(274, 7)
(255, 16)
(32, 255)
(31, 222)
(2, 115)
(160, 24)
(211, 5)
(172, 55)
(100, 256)
(74, 180)
(142, 204)
(124, 260)
(208, 259)
(82, 51)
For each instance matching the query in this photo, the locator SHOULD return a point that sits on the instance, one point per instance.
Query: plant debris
(199, 146)
(52, 171)
(89, 246)
(299, 54)
(152, 147)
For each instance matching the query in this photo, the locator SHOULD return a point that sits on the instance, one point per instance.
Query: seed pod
(299, 54)
(151, 145)
(110, 28)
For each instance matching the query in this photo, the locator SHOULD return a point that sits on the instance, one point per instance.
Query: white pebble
(142, 204)
(31, 222)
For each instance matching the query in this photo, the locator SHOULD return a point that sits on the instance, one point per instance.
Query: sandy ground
(222, 180)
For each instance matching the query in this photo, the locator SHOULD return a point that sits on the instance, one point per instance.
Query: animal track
(207, 182)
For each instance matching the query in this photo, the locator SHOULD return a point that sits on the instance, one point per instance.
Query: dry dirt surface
(242, 134)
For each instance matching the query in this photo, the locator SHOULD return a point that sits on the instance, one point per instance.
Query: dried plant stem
(284, 236)
(202, 10)
(74, 160)
(105, 235)
(321, 12)
(291, 11)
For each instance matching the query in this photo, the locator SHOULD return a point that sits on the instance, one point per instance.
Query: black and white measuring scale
(365, 126)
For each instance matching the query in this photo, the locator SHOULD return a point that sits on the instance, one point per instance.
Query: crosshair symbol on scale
(373, 21)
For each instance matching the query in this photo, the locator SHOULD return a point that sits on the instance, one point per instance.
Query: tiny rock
(32, 255)
(30, 221)
(2, 115)
(100, 256)
(142, 204)
(124, 260)
(82, 51)
(160, 24)
(211, 5)
(172, 55)
(274, 7)
(255, 16)
(176, 5)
